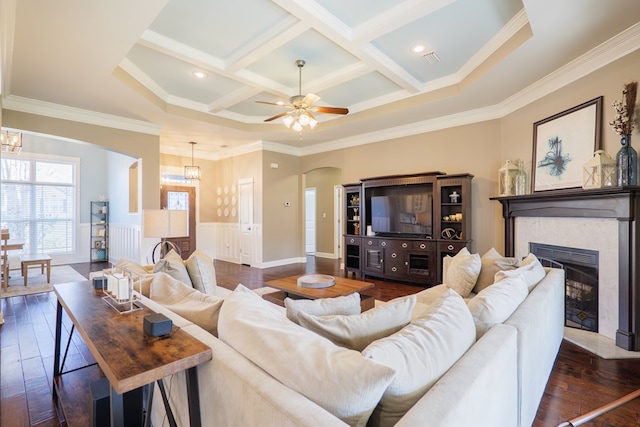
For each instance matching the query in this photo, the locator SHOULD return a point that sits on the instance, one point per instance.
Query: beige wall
(324, 180)
(471, 148)
(282, 226)
(137, 145)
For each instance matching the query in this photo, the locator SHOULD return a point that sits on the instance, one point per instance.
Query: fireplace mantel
(620, 203)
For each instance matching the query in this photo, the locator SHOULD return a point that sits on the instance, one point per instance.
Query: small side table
(43, 260)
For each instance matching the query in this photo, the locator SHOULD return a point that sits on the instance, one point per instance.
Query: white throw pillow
(497, 302)
(530, 268)
(173, 265)
(341, 381)
(492, 262)
(463, 272)
(347, 304)
(358, 331)
(201, 309)
(201, 272)
(421, 353)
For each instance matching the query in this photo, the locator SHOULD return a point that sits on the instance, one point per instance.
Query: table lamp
(164, 223)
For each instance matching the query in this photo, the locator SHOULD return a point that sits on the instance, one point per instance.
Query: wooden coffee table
(288, 288)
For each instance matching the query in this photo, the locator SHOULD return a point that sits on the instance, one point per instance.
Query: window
(39, 203)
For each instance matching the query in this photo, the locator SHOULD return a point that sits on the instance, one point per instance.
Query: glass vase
(627, 162)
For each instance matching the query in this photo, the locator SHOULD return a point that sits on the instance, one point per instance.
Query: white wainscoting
(227, 241)
(124, 242)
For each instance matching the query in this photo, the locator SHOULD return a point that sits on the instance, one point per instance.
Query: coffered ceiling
(130, 64)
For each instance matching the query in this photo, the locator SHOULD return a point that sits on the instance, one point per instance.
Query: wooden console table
(128, 357)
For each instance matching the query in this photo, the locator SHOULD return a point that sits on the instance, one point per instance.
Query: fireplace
(605, 220)
(581, 284)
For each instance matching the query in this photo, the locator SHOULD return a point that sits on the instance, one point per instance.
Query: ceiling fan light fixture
(312, 123)
(297, 126)
(304, 119)
(288, 121)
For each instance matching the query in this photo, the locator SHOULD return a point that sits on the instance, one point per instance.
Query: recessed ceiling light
(199, 74)
(418, 48)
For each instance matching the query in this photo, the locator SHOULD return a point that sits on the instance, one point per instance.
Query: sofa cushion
(359, 330)
(173, 265)
(421, 353)
(492, 262)
(340, 380)
(347, 304)
(462, 272)
(201, 272)
(530, 268)
(497, 302)
(187, 302)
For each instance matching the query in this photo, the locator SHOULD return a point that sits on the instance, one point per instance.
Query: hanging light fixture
(11, 141)
(192, 172)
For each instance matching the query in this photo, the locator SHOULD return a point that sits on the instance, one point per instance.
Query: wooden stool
(35, 259)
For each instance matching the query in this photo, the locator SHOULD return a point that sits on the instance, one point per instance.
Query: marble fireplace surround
(604, 220)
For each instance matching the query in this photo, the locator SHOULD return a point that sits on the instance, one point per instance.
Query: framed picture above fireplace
(563, 143)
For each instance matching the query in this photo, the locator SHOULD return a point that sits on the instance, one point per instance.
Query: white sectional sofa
(498, 381)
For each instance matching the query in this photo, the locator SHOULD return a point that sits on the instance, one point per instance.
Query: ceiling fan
(302, 109)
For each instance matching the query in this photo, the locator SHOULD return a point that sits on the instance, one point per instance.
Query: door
(310, 220)
(245, 217)
(175, 197)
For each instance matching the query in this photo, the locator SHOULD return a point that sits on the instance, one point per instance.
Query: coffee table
(288, 288)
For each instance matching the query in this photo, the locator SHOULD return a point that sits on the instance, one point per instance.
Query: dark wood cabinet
(400, 227)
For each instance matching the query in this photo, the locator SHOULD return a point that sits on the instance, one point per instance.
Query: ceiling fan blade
(310, 99)
(274, 103)
(331, 110)
(277, 116)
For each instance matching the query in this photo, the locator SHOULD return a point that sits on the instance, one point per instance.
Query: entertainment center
(401, 227)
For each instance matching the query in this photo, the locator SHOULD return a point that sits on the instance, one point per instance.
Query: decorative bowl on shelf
(316, 281)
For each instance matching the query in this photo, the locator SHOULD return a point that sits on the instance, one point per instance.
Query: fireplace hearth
(581, 285)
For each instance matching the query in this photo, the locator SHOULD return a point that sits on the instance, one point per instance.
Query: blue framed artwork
(563, 143)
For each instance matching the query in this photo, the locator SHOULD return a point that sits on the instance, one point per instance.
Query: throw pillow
(341, 381)
(173, 265)
(201, 272)
(201, 309)
(421, 353)
(497, 302)
(463, 272)
(358, 331)
(348, 304)
(492, 262)
(530, 268)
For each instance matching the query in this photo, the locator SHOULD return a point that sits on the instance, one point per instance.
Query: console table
(127, 357)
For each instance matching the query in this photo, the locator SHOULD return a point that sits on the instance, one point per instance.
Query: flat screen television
(402, 214)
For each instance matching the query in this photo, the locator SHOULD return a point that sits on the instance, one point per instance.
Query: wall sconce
(192, 172)
(11, 141)
(164, 223)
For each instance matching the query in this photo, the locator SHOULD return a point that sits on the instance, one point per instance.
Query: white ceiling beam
(266, 43)
(396, 17)
(339, 33)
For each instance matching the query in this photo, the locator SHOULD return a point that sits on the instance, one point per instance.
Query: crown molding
(613, 49)
(57, 111)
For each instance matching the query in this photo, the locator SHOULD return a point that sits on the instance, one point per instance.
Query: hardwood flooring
(580, 381)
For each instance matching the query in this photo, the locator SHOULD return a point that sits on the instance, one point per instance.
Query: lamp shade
(164, 223)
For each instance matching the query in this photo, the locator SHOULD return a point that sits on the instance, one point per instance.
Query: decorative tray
(316, 281)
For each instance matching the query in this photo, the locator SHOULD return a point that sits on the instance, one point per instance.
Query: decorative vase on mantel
(627, 162)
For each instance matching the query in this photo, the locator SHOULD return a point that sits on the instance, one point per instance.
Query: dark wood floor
(580, 380)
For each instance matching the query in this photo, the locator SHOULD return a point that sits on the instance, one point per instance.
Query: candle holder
(122, 289)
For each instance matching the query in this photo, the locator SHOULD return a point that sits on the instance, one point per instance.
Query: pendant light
(192, 172)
